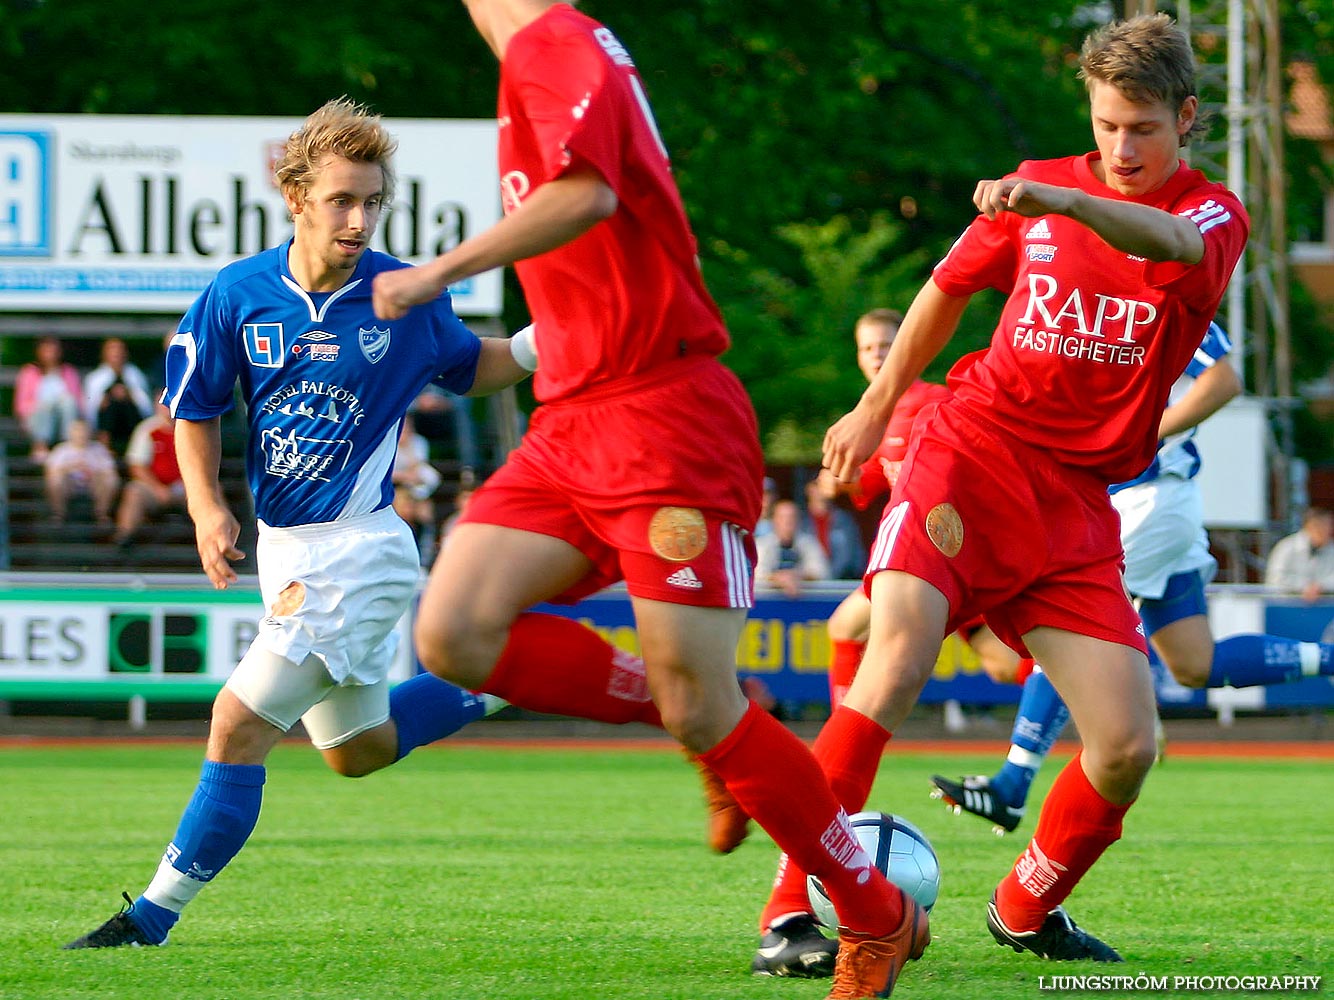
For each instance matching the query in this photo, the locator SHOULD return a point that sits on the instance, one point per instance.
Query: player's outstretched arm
(931, 321)
(504, 361)
(1212, 389)
(553, 215)
(199, 454)
(1141, 230)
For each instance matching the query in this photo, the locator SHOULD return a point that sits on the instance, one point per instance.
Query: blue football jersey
(1177, 455)
(325, 383)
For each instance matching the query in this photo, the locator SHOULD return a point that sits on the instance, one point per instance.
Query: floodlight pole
(1238, 47)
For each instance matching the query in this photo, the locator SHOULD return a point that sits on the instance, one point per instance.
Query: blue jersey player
(326, 386)
(1167, 566)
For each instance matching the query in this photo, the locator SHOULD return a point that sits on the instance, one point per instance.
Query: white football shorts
(334, 593)
(1162, 531)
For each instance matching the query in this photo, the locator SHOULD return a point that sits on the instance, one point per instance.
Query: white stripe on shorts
(885, 536)
(737, 567)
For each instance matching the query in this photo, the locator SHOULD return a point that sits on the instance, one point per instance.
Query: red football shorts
(971, 627)
(656, 479)
(1003, 531)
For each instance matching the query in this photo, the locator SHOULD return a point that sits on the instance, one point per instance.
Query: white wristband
(523, 346)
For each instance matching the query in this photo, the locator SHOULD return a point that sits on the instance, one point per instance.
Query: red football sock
(1025, 668)
(845, 656)
(556, 666)
(848, 748)
(778, 783)
(1075, 827)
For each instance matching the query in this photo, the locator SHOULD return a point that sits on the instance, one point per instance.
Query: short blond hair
(1148, 59)
(341, 127)
(882, 316)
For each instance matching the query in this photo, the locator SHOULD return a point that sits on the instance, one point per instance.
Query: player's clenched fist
(1026, 197)
(395, 292)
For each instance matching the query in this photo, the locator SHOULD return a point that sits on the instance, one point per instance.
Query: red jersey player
(642, 463)
(848, 625)
(1114, 263)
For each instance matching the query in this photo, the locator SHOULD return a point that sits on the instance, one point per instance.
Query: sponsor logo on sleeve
(264, 344)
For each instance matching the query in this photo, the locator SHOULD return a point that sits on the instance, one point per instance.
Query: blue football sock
(1247, 660)
(1038, 722)
(426, 709)
(215, 825)
(155, 921)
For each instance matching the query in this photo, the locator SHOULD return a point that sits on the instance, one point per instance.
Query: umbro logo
(1039, 231)
(686, 579)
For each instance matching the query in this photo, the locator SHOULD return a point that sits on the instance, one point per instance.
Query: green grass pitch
(507, 873)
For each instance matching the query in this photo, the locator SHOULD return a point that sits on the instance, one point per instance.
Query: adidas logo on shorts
(686, 579)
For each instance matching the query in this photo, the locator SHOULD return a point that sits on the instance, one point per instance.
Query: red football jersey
(628, 294)
(875, 479)
(164, 464)
(1091, 338)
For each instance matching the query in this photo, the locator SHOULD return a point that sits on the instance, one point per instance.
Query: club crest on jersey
(678, 534)
(374, 343)
(264, 344)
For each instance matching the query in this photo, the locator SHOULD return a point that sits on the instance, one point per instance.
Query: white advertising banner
(137, 214)
(163, 634)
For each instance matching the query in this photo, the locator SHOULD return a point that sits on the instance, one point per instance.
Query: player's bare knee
(354, 765)
(236, 734)
(441, 660)
(349, 768)
(459, 651)
(1144, 755)
(1119, 770)
(698, 715)
(1190, 673)
(692, 730)
(466, 668)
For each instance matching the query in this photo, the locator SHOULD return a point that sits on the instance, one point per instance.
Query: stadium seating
(165, 543)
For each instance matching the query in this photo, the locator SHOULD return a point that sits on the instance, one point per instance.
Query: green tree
(827, 150)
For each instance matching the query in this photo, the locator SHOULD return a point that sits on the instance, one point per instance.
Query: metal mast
(1239, 48)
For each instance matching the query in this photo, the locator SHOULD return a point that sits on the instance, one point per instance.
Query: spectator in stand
(789, 556)
(836, 529)
(117, 417)
(46, 397)
(415, 482)
(768, 498)
(1303, 562)
(154, 480)
(116, 396)
(81, 466)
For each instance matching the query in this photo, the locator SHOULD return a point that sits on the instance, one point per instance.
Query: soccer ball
(898, 849)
